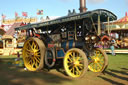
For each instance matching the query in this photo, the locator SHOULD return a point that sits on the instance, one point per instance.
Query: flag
(24, 14)
(39, 12)
(3, 16)
(16, 14)
(126, 14)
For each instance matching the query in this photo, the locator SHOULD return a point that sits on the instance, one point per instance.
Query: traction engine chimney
(82, 6)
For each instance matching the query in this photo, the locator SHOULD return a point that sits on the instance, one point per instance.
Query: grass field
(115, 74)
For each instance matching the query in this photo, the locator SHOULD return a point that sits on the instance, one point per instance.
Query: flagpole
(1, 22)
(40, 12)
(30, 20)
(3, 16)
(16, 16)
(36, 19)
(24, 14)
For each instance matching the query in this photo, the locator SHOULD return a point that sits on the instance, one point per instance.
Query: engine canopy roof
(104, 14)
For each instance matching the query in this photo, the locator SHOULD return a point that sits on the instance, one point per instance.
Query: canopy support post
(108, 26)
(93, 25)
(47, 30)
(99, 27)
(75, 31)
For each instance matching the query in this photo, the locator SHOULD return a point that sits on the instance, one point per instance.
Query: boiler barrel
(71, 44)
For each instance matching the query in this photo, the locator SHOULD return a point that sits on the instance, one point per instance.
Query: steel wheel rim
(74, 66)
(99, 62)
(31, 55)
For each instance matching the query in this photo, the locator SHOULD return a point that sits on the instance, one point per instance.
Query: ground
(115, 74)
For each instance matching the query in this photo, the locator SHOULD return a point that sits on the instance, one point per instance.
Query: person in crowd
(17, 60)
(112, 46)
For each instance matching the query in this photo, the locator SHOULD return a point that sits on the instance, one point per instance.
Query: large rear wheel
(33, 54)
(100, 61)
(75, 63)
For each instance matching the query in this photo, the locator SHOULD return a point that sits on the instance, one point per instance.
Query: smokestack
(82, 6)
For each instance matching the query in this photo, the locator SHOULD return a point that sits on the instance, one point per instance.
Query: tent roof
(124, 19)
(12, 28)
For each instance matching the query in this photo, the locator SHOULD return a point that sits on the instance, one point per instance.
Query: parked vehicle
(67, 42)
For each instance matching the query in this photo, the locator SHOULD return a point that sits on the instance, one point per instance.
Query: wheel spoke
(70, 60)
(33, 44)
(36, 46)
(99, 65)
(93, 66)
(36, 64)
(30, 61)
(28, 53)
(102, 60)
(78, 58)
(29, 45)
(33, 63)
(80, 65)
(36, 59)
(97, 53)
(36, 50)
(96, 66)
(37, 54)
(26, 49)
(73, 70)
(73, 56)
(78, 71)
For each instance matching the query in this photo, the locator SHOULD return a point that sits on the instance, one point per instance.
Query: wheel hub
(96, 60)
(31, 54)
(76, 63)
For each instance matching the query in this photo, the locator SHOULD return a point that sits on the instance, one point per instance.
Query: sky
(55, 8)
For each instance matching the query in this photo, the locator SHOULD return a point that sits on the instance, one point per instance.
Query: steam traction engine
(68, 42)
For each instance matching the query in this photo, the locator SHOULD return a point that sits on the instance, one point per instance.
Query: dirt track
(12, 75)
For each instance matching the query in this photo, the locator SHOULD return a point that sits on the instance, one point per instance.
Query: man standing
(112, 45)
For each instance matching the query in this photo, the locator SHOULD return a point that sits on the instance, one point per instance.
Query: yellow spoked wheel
(100, 61)
(75, 63)
(33, 54)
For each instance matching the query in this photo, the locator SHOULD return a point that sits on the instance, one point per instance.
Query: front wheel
(75, 63)
(100, 61)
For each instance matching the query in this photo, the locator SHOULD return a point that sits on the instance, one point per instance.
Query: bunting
(24, 14)
(39, 12)
(3, 16)
(16, 14)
